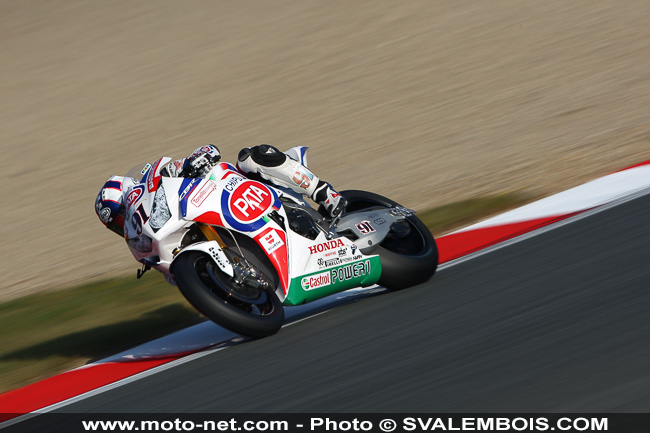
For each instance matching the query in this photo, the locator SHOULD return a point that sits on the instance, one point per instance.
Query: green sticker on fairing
(310, 287)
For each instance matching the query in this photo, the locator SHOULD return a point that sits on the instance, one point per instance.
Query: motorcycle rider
(264, 163)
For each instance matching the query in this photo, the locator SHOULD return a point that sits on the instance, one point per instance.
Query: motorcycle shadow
(96, 343)
(167, 332)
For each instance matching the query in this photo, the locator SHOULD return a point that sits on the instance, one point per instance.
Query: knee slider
(267, 155)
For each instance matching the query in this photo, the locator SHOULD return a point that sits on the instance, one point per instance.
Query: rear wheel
(242, 308)
(408, 254)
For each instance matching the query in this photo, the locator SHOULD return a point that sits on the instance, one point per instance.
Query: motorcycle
(240, 250)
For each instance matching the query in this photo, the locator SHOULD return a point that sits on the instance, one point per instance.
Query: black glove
(197, 165)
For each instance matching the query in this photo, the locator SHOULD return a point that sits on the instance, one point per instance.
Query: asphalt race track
(555, 323)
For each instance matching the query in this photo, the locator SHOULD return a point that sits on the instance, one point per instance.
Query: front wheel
(408, 254)
(246, 310)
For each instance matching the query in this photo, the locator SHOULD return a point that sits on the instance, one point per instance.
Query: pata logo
(250, 200)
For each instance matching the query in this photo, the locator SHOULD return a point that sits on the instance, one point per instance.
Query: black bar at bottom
(360, 422)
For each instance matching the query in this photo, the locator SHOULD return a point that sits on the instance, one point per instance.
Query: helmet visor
(117, 225)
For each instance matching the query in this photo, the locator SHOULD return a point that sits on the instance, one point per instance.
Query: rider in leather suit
(264, 163)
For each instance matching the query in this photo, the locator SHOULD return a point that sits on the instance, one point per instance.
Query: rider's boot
(329, 198)
(270, 164)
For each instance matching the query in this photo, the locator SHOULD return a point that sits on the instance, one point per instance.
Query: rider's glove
(201, 161)
(199, 165)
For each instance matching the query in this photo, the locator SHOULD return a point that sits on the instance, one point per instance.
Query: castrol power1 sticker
(316, 281)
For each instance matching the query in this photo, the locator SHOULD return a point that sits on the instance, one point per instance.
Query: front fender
(212, 249)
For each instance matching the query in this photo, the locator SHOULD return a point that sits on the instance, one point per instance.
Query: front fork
(244, 272)
(212, 235)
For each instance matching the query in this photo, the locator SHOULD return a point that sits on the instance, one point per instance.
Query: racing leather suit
(267, 164)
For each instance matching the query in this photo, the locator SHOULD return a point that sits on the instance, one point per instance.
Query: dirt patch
(426, 102)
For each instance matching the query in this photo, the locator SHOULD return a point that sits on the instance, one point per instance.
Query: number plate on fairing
(371, 227)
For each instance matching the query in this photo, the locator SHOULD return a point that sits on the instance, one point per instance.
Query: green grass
(461, 213)
(46, 333)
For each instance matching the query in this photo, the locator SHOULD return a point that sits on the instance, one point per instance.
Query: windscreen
(138, 171)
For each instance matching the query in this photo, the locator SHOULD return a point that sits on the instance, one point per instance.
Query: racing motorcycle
(240, 250)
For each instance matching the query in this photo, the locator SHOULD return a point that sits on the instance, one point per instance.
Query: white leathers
(289, 170)
(290, 173)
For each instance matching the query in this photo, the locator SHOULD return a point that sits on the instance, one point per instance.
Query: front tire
(251, 313)
(407, 259)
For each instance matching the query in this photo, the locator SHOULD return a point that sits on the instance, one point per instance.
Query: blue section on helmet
(115, 207)
(106, 210)
(113, 184)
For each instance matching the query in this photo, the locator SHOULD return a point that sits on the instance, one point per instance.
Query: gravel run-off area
(425, 102)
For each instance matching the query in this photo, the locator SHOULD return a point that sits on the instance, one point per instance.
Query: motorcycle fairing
(308, 269)
(315, 285)
(230, 200)
(273, 241)
(152, 177)
(187, 187)
(320, 258)
(153, 246)
(246, 206)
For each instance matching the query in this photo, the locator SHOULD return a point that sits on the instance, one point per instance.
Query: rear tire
(406, 260)
(209, 294)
